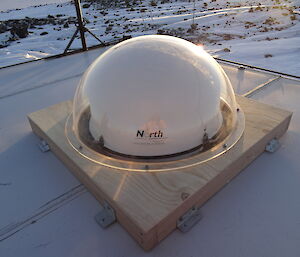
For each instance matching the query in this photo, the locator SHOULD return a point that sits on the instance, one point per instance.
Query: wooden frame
(148, 205)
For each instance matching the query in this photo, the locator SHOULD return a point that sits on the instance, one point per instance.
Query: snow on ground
(13, 4)
(266, 35)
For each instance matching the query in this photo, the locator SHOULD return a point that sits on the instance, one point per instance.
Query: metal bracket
(189, 219)
(106, 216)
(272, 146)
(43, 145)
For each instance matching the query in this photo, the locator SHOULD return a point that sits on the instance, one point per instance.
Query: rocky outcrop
(3, 27)
(19, 27)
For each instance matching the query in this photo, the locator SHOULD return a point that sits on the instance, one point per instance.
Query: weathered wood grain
(148, 204)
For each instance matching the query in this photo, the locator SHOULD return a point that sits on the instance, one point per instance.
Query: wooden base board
(148, 205)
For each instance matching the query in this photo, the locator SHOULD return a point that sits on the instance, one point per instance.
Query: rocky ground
(222, 27)
(21, 28)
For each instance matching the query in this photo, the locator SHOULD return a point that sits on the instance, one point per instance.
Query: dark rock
(109, 28)
(125, 37)
(66, 25)
(11, 39)
(44, 33)
(268, 55)
(293, 17)
(20, 30)
(50, 16)
(3, 28)
(85, 6)
(153, 3)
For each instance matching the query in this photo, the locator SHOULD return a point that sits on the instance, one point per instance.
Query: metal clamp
(189, 219)
(43, 145)
(272, 146)
(106, 216)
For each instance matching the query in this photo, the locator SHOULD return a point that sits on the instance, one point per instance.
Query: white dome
(152, 96)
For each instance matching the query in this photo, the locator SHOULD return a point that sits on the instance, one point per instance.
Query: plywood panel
(148, 204)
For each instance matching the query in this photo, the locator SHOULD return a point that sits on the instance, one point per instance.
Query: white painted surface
(257, 214)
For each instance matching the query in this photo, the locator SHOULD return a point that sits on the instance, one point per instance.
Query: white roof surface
(45, 211)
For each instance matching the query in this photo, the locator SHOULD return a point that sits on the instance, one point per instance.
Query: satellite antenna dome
(153, 96)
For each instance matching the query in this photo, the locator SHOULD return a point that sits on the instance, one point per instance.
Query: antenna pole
(194, 6)
(80, 24)
(81, 29)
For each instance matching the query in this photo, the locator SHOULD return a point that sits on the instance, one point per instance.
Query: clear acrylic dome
(152, 97)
